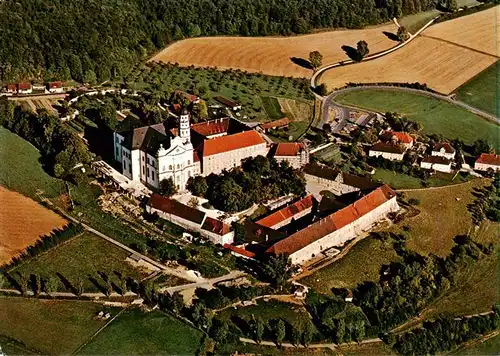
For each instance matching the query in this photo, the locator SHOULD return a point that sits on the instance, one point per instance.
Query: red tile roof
(215, 226)
(11, 87)
(188, 96)
(447, 147)
(171, 206)
(400, 136)
(289, 149)
(333, 222)
(388, 147)
(212, 127)
(55, 85)
(487, 158)
(239, 250)
(276, 123)
(231, 142)
(436, 160)
(287, 212)
(24, 86)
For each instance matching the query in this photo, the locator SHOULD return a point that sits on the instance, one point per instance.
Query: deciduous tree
(315, 59)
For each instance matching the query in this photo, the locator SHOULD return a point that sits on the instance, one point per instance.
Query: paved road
(476, 111)
(331, 346)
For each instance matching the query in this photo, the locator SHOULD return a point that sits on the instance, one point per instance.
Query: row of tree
(258, 180)
(96, 40)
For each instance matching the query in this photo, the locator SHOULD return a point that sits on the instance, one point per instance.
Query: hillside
(94, 40)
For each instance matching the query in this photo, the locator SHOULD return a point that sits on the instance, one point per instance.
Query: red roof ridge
(231, 142)
(287, 212)
(489, 158)
(288, 148)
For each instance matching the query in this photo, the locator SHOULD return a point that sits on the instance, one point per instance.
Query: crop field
(50, 327)
(22, 222)
(488, 347)
(362, 263)
(34, 104)
(21, 171)
(272, 55)
(138, 333)
(435, 115)
(87, 257)
(482, 90)
(431, 230)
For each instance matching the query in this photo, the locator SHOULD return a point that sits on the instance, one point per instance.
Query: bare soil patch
(272, 55)
(22, 222)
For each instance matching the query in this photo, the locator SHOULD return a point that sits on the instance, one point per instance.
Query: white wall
(438, 167)
(387, 155)
(485, 167)
(442, 153)
(230, 159)
(336, 186)
(189, 225)
(218, 239)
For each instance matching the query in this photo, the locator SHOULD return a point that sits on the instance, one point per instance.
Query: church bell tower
(184, 130)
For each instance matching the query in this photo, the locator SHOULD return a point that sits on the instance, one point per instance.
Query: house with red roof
(11, 88)
(285, 215)
(296, 154)
(191, 219)
(437, 163)
(339, 227)
(389, 150)
(24, 88)
(276, 124)
(55, 87)
(443, 149)
(226, 152)
(487, 162)
(400, 138)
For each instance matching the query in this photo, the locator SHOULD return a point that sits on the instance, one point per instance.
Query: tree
(50, 284)
(200, 110)
(167, 187)
(481, 146)
(315, 59)
(362, 49)
(307, 333)
(280, 331)
(452, 5)
(259, 329)
(197, 186)
(295, 334)
(3, 281)
(278, 269)
(322, 89)
(403, 34)
(79, 286)
(219, 330)
(173, 302)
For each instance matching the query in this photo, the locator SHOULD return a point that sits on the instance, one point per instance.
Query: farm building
(487, 162)
(285, 215)
(24, 88)
(296, 154)
(443, 149)
(276, 124)
(192, 99)
(233, 105)
(339, 227)
(437, 163)
(391, 151)
(190, 219)
(399, 138)
(56, 87)
(337, 181)
(11, 88)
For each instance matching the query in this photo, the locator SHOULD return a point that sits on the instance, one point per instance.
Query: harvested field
(476, 31)
(23, 221)
(441, 65)
(272, 55)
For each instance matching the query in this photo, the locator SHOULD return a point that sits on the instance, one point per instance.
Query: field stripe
(460, 45)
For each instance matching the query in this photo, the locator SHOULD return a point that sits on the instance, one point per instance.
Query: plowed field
(272, 55)
(22, 222)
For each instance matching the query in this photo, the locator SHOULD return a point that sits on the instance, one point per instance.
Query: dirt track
(22, 222)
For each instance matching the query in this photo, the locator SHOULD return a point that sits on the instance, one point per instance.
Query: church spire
(184, 130)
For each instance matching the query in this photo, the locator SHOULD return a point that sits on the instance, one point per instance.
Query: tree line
(95, 40)
(258, 180)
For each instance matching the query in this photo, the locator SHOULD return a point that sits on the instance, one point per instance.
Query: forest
(95, 40)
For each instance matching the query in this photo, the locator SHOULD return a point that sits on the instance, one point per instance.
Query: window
(170, 167)
(189, 162)
(148, 160)
(148, 172)
(117, 151)
(143, 158)
(143, 170)
(178, 166)
(153, 175)
(124, 165)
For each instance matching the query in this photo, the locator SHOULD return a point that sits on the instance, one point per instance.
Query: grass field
(489, 347)
(138, 333)
(21, 170)
(14, 347)
(443, 215)
(417, 21)
(435, 115)
(362, 263)
(272, 55)
(482, 90)
(272, 107)
(252, 349)
(404, 181)
(82, 257)
(296, 110)
(51, 327)
(22, 222)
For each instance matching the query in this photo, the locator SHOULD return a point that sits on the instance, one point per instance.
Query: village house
(296, 154)
(285, 215)
(338, 182)
(443, 150)
(339, 227)
(233, 105)
(55, 87)
(437, 163)
(487, 162)
(38, 88)
(390, 151)
(276, 124)
(24, 88)
(11, 88)
(400, 138)
(190, 219)
(192, 99)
